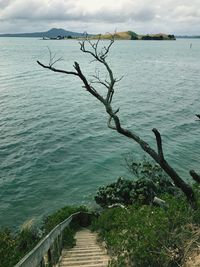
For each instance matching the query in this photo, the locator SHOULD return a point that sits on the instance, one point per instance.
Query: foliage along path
(87, 252)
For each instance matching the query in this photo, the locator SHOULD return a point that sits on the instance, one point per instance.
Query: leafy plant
(118, 192)
(14, 246)
(149, 170)
(8, 244)
(148, 235)
(150, 182)
(57, 217)
(54, 219)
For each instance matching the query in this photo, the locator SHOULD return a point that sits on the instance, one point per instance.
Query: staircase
(50, 252)
(86, 253)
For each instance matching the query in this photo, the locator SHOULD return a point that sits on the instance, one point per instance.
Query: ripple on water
(55, 147)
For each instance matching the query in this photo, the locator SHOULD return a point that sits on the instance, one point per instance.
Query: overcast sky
(100, 16)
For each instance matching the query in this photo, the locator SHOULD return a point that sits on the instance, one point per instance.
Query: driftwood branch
(87, 46)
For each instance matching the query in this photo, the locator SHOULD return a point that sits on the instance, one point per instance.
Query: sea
(55, 146)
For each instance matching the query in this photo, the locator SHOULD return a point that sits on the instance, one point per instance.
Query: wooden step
(86, 253)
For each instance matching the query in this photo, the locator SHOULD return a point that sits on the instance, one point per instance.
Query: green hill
(130, 35)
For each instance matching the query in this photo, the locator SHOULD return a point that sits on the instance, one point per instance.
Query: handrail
(36, 256)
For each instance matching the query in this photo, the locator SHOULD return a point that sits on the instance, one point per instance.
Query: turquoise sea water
(55, 148)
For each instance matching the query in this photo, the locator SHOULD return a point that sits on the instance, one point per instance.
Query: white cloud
(173, 16)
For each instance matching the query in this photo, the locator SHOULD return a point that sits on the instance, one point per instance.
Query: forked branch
(159, 144)
(56, 70)
(195, 176)
(100, 55)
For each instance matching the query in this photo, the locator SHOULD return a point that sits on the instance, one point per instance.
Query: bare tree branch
(107, 49)
(195, 176)
(118, 80)
(159, 144)
(87, 85)
(110, 120)
(52, 59)
(110, 124)
(198, 116)
(100, 56)
(98, 80)
(56, 70)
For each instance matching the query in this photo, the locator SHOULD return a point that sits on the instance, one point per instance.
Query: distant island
(60, 34)
(188, 36)
(53, 33)
(130, 35)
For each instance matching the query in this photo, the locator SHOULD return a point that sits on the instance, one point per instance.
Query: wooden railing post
(59, 248)
(49, 257)
(42, 263)
(54, 253)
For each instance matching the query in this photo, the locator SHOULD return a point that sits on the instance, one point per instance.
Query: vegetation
(14, 245)
(134, 36)
(59, 216)
(160, 36)
(150, 182)
(142, 235)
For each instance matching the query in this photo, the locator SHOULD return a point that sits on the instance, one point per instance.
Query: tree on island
(100, 55)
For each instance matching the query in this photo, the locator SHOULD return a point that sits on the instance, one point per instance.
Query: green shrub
(57, 217)
(8, 245)
(118, 192)
(151, 171)
(26, 240)
(150, 181)
(147, 235)
(14, 246)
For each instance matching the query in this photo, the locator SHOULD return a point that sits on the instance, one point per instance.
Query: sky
(101, 16)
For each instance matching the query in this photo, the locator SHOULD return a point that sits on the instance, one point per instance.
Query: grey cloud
(170, 15)
(60, 10)
(185, 13)
(113, 16)
(4, 3)
(145, 14)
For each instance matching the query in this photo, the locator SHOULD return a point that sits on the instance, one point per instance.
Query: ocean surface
(55, 147)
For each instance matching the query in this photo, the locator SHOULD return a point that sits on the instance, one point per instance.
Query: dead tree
(100, 55)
